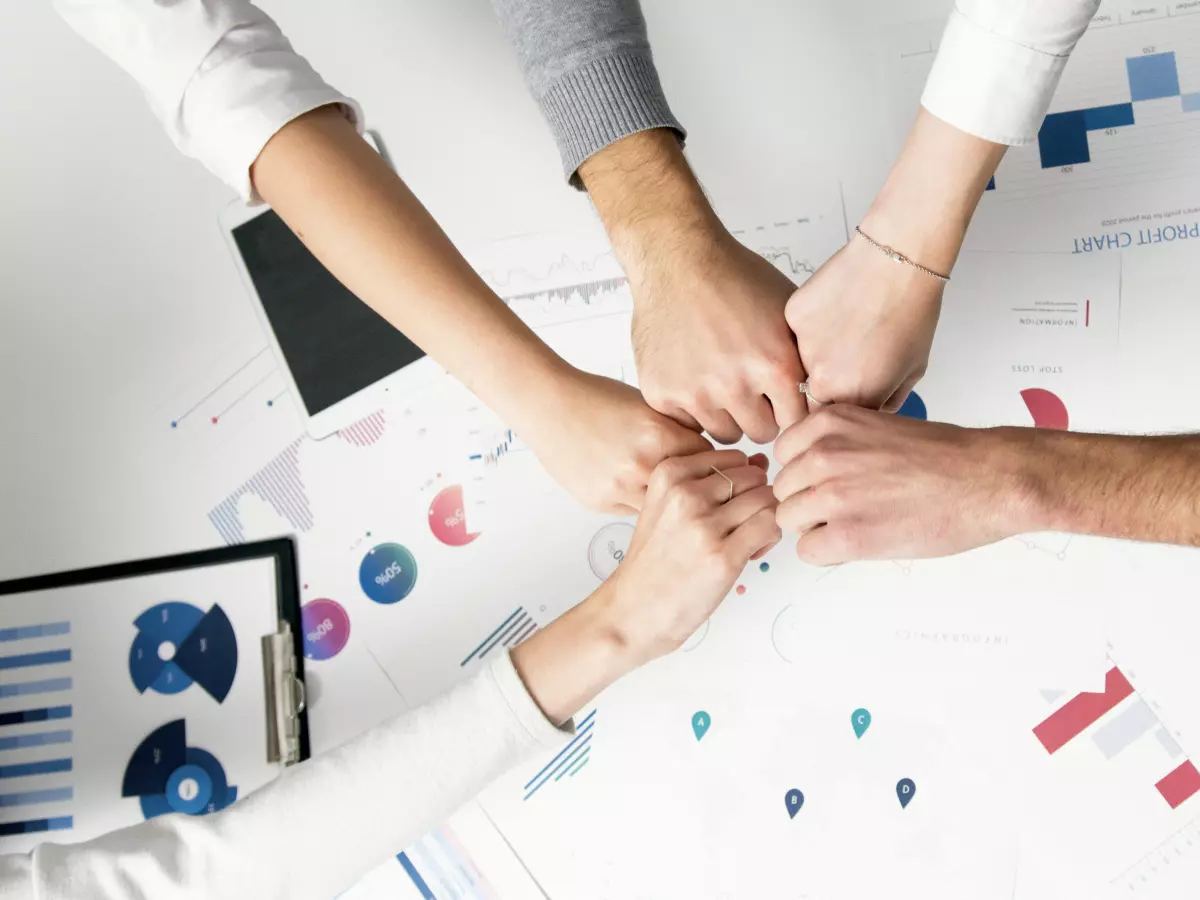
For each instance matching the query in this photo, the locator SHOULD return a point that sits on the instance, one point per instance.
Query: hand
(712, 347)
(690, 545)
(601, 441)
(860, 484)
(864, 326)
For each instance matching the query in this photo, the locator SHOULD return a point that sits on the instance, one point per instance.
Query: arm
(590, 68)
(356, 806)
(996, 70)
(233, 93)
(860, 484)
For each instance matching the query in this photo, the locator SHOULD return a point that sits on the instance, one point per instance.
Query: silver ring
(806, 392)
(727, 478)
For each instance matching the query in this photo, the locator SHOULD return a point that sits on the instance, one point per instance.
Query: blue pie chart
(178, 645)
(168, 776)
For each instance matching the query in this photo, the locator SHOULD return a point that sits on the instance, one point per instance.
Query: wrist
(1028, 463)
(577, 656)
(649, 199)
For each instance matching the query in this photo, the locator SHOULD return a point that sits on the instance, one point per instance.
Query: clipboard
(143, 688)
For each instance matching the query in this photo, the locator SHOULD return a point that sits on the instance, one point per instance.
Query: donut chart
(178, 645)
(166, 775)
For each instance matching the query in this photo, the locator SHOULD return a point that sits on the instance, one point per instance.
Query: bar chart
(1063, 139)
(1134, 720)
(35, 733)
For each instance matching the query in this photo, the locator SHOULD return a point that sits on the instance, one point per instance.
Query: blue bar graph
(28, 798)
(1100, 117)
(582, 737)
(35, 739)
(991, 185)
(60, 823)
(45, 686)
(413, 874)
(1063, 141)
(41, 767)
(1153, 76)
(45, 658)
(45, 714)
(34, 631)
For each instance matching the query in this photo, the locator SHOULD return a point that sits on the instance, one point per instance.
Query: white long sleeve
(323, 824)
(999, 63)
(219, 74)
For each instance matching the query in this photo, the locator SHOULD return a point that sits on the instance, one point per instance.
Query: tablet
(342, 360)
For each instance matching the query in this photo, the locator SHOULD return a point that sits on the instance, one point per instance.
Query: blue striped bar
(59, 823)
(488, 639)
(45, 686)
(34, 631)
(580, 752)
(46, 658)
(583, 761)
(584, 727)
(45, 714)
(408, 867)
(28, 798)
(41, 767)
(35, 739)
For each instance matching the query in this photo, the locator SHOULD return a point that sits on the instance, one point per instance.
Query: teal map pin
(906, 789)
(861, 720)
(700, 723)
(794, 800)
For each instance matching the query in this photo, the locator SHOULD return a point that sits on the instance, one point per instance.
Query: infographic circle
(388, 573)
(447, 519)
(178, 645)
(168, 776)
(608, 547)
(326, 626)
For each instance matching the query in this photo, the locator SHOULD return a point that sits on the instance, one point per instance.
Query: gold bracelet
(897, 256)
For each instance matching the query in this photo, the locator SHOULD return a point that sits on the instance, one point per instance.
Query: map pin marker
(700, 723)
(861, 720)
(905, 789)
(794, 800)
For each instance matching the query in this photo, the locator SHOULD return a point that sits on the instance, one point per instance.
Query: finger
(719, 424)
(760, 460)
(803, 511)
(897, 399)
(716, 487)
(800, 437)
(802, 473)
(680, 415)
(683, 441)
(755, 417)
(678, 469)
(754, 534)
(729, 516)
(823, 546)
(788, 404)
(765, 550)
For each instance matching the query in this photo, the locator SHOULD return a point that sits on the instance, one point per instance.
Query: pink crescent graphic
(1047, 410)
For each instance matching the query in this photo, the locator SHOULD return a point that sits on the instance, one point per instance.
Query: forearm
(357, 216)
(927, 202)
(650, 202)
(590, 69)
(1135, 488)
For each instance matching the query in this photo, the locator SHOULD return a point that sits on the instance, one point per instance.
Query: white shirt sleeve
(219, 74)
(324, 823)
(999, 63)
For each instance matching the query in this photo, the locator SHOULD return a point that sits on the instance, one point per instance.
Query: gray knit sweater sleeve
(589, 66)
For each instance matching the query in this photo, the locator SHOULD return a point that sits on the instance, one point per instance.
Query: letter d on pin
(906, 789)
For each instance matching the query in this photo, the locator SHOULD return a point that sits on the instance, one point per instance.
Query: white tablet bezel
(405, 383)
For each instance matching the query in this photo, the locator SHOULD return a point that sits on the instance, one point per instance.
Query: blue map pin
(905, 790)
(861, 720)
(700, 723)
(794, 800)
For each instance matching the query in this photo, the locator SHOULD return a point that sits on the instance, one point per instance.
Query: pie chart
(169, 776)
(1047, 410)
(913, 407)
(178, 645)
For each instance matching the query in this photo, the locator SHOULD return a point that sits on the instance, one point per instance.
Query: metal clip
(285, 696)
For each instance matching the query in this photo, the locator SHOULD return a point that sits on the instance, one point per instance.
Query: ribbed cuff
(599, 103)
